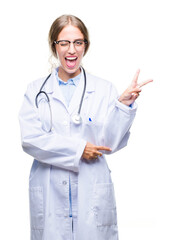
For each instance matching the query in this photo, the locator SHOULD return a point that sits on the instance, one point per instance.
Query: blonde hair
(60, 23)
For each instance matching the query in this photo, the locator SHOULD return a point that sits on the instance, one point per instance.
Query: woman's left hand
(133, 91)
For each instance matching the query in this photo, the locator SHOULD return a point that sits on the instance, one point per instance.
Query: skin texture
(72, 33)
(133, 91)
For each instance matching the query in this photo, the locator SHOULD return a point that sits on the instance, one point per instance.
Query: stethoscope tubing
(47, 97)
(40, 91)
(85, 83)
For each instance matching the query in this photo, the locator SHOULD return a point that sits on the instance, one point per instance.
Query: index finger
(104, 148)
(135, 79)
(145, 82)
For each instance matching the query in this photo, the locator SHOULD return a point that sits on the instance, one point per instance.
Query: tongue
(70, 63)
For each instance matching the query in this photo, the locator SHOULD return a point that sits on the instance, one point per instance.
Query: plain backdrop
(125, 35)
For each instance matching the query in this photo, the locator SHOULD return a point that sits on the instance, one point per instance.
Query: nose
(71, 48)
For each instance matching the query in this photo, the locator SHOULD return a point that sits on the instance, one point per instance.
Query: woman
(71, 192)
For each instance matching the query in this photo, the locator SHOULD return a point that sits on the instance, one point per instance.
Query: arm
(50, 148)
(120, 116)
(118, 122)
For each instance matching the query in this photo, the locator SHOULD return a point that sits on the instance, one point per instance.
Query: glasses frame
(77, 40)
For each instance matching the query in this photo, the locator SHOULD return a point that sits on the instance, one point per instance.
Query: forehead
(70, 32)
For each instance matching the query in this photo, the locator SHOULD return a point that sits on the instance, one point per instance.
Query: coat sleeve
(119, 119)
(50, 148)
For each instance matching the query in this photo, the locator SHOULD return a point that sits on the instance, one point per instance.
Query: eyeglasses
(65, 44)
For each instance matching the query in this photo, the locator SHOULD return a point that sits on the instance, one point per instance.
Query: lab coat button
(64, 182)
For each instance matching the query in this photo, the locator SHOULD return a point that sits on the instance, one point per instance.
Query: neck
(65, 76)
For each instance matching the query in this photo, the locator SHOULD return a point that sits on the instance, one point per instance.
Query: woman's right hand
(91, 151)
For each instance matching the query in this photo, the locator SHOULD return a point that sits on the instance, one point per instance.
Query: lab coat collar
(52, 87)
(75, 100)
(74, 80)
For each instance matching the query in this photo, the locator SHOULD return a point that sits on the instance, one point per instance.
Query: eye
(79, 42)
(64, 43)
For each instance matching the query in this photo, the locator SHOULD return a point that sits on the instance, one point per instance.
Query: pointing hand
(92, 151)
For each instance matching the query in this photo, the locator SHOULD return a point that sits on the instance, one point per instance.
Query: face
(70, 56)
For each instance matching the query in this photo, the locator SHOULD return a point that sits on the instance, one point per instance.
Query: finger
(103, 148)
(135, 90)
(98, 154)
(95, 156)
(135, 96)
(135, 79)
(145, 82)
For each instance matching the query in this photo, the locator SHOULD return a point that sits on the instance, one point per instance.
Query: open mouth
(71, 61)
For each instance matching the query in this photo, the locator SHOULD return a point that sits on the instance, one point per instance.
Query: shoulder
(101, 84)
(34, 86)
(37, 83)
(97, 80)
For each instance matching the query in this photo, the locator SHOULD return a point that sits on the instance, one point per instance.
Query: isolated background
(125, 35)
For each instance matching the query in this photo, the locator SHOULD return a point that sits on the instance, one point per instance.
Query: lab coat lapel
(76, 99)
(53, 87)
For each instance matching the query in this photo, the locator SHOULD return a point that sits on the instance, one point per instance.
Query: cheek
(81, 54)
(59, 56)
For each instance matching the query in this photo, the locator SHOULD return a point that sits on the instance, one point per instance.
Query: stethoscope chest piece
(77, 119)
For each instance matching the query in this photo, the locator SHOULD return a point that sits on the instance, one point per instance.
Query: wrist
(124, 102)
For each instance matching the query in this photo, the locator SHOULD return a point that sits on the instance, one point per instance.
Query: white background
(125, 35)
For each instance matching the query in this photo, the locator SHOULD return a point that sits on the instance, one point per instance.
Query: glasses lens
(79, 43)
(64, 44)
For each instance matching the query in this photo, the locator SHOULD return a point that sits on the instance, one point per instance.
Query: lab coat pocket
(104, 206)
(92, 131)
(36, 208)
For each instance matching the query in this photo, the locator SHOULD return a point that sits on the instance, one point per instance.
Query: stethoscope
(76, 119)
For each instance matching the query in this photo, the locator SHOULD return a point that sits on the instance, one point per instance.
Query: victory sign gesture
(133, 91)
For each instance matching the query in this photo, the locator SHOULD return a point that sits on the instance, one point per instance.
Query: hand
(133, 91)
(91, 151)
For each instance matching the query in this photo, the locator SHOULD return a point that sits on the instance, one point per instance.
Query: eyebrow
(78, 39)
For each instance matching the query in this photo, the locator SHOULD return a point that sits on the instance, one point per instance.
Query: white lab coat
(57, 159)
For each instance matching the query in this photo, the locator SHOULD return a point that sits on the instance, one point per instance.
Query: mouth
(71, 61)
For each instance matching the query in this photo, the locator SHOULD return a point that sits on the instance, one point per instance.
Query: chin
(72, 70)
